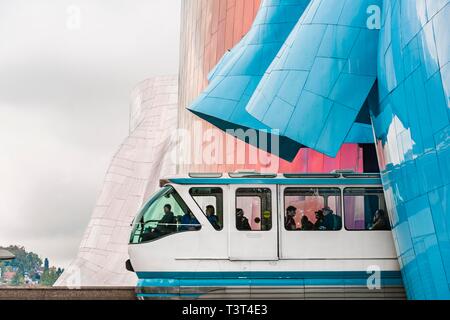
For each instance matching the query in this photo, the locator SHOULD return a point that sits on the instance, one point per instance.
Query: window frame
(340, 206)
(157, 196)
(221, 223)
(261, 205)
(385, 203)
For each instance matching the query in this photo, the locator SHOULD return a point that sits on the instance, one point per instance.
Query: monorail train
(256, 236)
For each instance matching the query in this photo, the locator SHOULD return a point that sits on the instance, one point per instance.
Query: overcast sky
(66, 72)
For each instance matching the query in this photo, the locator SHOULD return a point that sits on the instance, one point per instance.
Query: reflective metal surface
(208, 29)
(233, 81)
(132, 176)
(323, 78)
(412, 128)
(306, 90)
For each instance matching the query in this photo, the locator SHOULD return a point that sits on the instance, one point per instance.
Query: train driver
(166, 225)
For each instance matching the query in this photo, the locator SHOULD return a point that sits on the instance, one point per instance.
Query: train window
(309, 209)
(365, 209)
(164, 214)
(253, 209)
(210, 201)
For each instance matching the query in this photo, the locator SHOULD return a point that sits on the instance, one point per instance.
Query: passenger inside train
(189, 222)
(210, 201)
(320, 209)
(307, 209)
(380, 221)
(306, 224)
(242, 223)
(365, 209)
(212, 218)
(254, 211)
(325, 220)
(291, 212)
(331, 221)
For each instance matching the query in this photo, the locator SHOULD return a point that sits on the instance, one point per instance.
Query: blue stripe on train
(331, 278)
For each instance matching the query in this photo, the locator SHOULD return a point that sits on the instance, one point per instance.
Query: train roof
(334, 178)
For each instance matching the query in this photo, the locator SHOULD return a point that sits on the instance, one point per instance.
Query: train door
(253, 229)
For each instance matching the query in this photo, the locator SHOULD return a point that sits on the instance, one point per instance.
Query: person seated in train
(289, 222)
(168, 222)
(319, 224)
(241, 221)
(380, 221)
(189, 222)
(166, 225)
(337, 221)
(331, 221)
(212, 217)
(306, 224)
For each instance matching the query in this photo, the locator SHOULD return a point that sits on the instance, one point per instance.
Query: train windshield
(164, 214)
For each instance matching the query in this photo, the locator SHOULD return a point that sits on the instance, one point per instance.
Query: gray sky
(64, 103)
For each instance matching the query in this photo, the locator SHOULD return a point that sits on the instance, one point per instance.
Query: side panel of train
(219, 257)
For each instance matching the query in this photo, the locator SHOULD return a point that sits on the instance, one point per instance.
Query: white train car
(256, 236)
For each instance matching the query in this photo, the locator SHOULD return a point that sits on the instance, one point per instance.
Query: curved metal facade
(132, 177)
(412, 129)
(233, 81)
(331, 72)
(304, 93)
(209, 28)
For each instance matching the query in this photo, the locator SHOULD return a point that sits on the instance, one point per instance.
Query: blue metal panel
(313, 92)
(321, 68)
(334, 50)
(235, 78)
(412, 124)
(360, 133)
